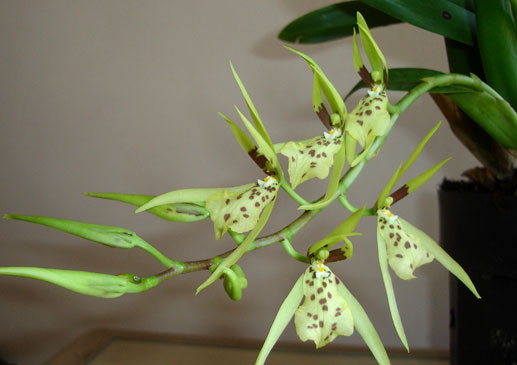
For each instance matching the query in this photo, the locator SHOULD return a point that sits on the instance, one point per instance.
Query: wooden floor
(103, 347)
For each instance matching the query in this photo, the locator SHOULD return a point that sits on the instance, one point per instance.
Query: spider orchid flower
(370, 118)
(405, 253)
(404, 248)
(324, 313)
(240, 211)
(328, 310)
(312, 157)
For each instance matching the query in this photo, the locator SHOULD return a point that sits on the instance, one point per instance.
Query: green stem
(447, 80)
(293, 194)
(164, 260)
(286, 244)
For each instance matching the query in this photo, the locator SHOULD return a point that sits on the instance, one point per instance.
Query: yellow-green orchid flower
(404, 250)
(324, 314)
(370, 118)
(312, 157)
(240, 211)
(404, 247)
(327, 311)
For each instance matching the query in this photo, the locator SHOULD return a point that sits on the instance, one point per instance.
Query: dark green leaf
(497, 41)
(490, 114)
(438, 16)
(332, 22)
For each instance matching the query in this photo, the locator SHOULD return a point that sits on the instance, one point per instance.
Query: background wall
(123, 96)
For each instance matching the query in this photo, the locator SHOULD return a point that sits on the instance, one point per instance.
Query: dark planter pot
(479, 231)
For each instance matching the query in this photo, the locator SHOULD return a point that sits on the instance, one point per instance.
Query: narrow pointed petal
(344, 229)
(364, 326)
(239, 251)
(390, 293)
(253, 111)
(283, 317)
(189, 196)
(441, 256)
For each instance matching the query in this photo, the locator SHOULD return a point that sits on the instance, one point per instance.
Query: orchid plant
(322, 306)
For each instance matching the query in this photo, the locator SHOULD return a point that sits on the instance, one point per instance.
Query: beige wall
(123, 96)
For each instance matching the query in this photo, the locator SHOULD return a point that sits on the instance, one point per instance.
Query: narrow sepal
(239, 251)
(332, 95)
(177, 212)
(264, 147)
(282, 319)
(364, 326)
(421, 179)
(189, 196)
(414, 155)
(386, 190)
(339, 233)
(243, 139)
(388, 285)
(372, 50)
(254, 114)
(441, 256)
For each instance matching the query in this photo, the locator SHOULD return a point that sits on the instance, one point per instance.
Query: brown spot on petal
(407, 245)
(321, 324)
(226, 216)
(312, 153)
(323, 301)
(360, 122)
(245, 215)
(257, 204)
(368, 112)
(399, 256)
(325, 308)
(320, 290)
(313, 297)
(243, 209)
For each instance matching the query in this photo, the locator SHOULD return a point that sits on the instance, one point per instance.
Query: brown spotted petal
(323, 314)
(404, 251)
(369, 119)
(310, 158)
(239, 211)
